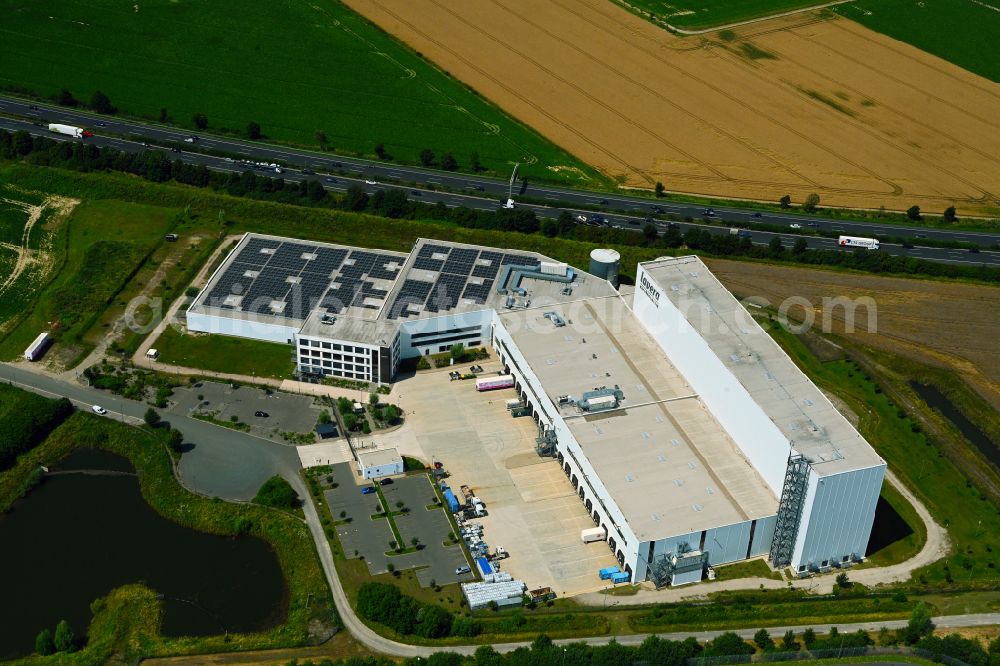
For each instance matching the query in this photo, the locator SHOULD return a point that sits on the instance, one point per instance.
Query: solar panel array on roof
(302, 275)
(478, 292)
(445, 293)
(413, 292)
(487, 270)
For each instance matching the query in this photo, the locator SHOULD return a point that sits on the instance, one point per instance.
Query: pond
(939, 401)
(77, 536)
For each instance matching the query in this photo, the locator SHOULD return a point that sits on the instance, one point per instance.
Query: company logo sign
(650, 290)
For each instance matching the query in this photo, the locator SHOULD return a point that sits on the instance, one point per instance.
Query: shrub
(278, 493)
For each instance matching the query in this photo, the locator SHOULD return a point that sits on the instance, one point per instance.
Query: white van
(152, 354)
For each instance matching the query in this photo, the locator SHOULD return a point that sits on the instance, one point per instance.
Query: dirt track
(825, 106)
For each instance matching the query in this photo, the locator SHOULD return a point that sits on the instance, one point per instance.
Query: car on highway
(330, 179)
(308, 172)
(709, 212)
(260, 414)
(370, 182)
(230, 159)
(581, 218)
(97, 409)
(100, 124)
(464, 569)
(757, 215)
(604, 202)
(190, 139)
(480, 188)
(145, 145)
(175, 149)
(33, 107)
(416, 193)
(656, 209)
(794, 226)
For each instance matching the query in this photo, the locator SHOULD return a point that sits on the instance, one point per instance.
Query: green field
(963, 32)
(92, 255)
(294, 68)
(221, 353)
(702, 14)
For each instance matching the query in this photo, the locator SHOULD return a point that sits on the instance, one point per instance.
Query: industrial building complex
(690, 437)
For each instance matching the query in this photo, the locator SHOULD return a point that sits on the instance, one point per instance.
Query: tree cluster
(277, 493)
(28, 422)
(385, 604)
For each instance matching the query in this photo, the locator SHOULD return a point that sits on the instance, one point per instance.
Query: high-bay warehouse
(688, 434)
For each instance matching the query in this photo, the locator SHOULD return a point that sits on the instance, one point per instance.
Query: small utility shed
(384, 462)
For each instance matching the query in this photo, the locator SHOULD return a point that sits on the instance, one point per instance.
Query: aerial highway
(338, 173)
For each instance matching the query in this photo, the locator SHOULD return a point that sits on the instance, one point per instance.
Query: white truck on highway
(857, 241)
(70, 130)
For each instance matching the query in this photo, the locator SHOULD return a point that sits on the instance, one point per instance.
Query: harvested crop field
(789, 106)
(944, 324)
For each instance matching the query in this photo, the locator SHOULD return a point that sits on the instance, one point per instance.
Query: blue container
(620, 577)
(484, 565)
(449, 497)
(608, 572)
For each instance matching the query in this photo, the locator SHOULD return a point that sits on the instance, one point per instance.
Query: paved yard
(431, 527)
(533, 511)
(286, 412)
(370, 538)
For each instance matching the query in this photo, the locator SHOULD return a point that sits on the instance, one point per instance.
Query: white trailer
(491, 383)
(37, 348)
(69, 130)
(857, 241)
(593, 534)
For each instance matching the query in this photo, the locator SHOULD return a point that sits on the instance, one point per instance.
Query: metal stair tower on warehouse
(793, 497)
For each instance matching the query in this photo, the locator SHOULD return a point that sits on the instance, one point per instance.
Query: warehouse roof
(665, 460)
(793, 403)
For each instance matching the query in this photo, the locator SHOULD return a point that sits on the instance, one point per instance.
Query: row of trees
(427, 156)
(63, 640)
(99, 102)
(811, 203)
(394, 203)
(385, 604)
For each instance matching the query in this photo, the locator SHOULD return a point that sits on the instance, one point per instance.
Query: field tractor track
(652, 134)
(845, 26)
(658, 95)
(513, 92)
(895, 188)
(891, 108)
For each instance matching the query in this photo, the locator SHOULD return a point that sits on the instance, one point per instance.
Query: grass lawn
(222, 353)
(961, 32)
(95, 252)
(700, 14)
(295, 68)
(749, 569)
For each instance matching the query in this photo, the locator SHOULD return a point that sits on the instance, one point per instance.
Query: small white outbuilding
(383, 462)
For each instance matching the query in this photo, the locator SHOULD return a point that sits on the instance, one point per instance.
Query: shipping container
(484, 565)
(37, 348)
(607, 572)
(620, 577)
(449, 498)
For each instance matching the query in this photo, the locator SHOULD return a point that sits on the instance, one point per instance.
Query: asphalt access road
(477, 192)
(218, 462)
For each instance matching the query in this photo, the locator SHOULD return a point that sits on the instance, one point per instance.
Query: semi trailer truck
(70, 130)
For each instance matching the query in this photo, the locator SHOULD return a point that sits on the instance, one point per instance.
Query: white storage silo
(604, 263)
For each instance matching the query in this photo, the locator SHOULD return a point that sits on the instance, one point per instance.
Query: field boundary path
(735, 24)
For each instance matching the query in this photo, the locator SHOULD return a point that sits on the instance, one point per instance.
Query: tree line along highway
(338, 173)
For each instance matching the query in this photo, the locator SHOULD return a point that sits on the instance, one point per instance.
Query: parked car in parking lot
(261, 414)
(385, 482)
(464, 569)
(367, 490)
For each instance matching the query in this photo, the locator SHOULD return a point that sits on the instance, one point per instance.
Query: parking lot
(285, 412)
(370, 538)
(533, 512)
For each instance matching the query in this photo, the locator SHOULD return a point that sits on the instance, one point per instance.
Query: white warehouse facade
(683, 427)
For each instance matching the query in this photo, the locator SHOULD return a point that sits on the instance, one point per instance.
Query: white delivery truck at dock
(593, 534)
(857, 241)
(491, 383)
(70, 130)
